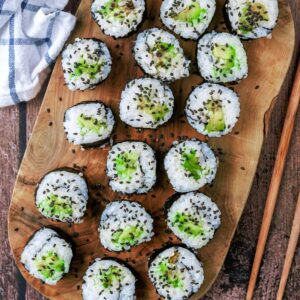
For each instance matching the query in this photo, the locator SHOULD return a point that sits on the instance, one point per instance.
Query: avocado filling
(50, 266)
(192, 14)
(129, 236)
(188, 224)
(163, 54)
(252, 15)
(117, 9)
(89, 124)
(53, 205)
(82, 67)
(216, 120)
(191, 164)
(170, 274)
(226, 59)
(109, 276)
(156, 111)
(126, 164)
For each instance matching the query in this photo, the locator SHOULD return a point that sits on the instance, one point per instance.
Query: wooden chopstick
(290, 251)
(275, 180)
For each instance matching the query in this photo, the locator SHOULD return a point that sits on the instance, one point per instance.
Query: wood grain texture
(279, 165)
(290, 252)
(232, 279)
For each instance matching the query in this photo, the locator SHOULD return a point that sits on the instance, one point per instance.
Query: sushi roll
(146, 103)
(190, 165)
(108, 279)
(221, 58)
(193, 218)
(212, 109)
(89, 123)
(118, 18)
(62, 195)
(123, 225)
(188, 18)
(251, 19)
(176, 273)
(85, 63)
(131, 167)
(47, 256)
(160, 55)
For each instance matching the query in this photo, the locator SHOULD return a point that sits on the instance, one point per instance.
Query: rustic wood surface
(17, 124)
(48, 149)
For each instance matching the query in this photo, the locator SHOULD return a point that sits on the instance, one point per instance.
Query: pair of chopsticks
(272, 197)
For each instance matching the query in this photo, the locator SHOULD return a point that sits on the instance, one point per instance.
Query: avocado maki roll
(47, 256)
(176, 273)
(123, 225)
(85, 63)
(146, 103)
(190, 165)
(212, 109)
(252, 19)
(118, 18)
(89, 123)
(188, 18)
(62, 195)
(193, 218)
(108, 279)
(160, 55)
(131, 167)
(221, 58)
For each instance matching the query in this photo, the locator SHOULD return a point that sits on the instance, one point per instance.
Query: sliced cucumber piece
(192, 14)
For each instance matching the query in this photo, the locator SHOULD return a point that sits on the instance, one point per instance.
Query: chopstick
(290, 251)
(275, 180)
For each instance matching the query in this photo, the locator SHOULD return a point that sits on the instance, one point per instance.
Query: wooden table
(16, 125)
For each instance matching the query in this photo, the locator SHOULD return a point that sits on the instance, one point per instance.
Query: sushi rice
(108, 279)
(188, 18)
(221, 58)
(47, 256)
(193, 218)
(124, 224)
(131, 167)
(89, 123)
(85, 63)
(176, 273)
(62, 195)
(190, 165)
(160, 55)
(146, 103)
(118, 18)
(252, 19)
(212, 109)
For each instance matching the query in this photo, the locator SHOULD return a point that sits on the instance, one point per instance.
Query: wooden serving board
(238, 153)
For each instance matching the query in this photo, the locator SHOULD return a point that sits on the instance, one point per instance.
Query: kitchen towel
(32, 34)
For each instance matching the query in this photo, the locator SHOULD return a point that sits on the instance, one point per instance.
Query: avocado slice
(156, 111)
(127, 236)
(191, 164)
(170, 274)
(82, 67)
(89, 124)
(50, 266)
(216, 121)
(126, 164)
(53, 205)
(109, 276)
(117, 9)
(192, 14)
(163, 53)
(226, 58)
(252, 15)
(188, 224)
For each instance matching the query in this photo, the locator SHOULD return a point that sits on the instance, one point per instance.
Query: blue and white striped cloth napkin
(32, 34)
